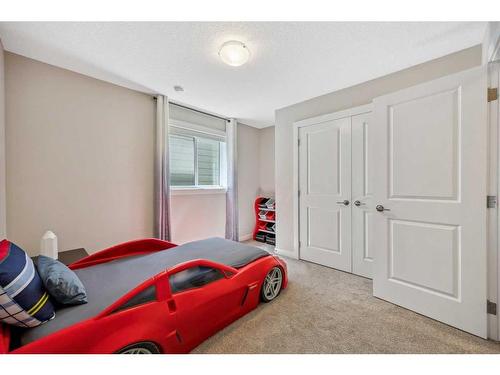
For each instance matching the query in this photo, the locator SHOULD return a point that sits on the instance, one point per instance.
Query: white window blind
(208, 152)
(197, 158)
(182, 161)
(185, 115)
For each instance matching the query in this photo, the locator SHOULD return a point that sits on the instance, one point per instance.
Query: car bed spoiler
(123, 250)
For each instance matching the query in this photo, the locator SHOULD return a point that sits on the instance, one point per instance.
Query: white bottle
(48, 245)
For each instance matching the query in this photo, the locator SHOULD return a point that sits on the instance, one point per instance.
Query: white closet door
(429, 146)
(362, 207)
(325, 184)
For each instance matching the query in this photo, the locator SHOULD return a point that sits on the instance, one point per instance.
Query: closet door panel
(325, 183)
(362, 211)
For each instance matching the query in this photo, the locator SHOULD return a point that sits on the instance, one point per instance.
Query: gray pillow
(61, 282)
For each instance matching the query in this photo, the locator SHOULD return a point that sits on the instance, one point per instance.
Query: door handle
(344, 202)
(381, 208)
(358, 203)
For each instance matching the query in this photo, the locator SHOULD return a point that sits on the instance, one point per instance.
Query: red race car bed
(151, 296)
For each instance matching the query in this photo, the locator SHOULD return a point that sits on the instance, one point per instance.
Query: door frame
(493, 251)
(295, 188)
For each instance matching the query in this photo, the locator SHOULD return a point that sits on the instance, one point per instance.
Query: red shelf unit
(265, 221)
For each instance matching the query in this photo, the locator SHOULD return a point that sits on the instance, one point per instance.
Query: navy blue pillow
(24, 302)
(62, 283)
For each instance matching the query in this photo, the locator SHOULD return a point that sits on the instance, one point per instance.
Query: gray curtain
(232, 181)
(162, 186)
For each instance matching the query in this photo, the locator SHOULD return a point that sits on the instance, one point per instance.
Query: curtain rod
(197, 110)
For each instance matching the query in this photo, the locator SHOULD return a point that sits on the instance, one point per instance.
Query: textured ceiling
(290, 61)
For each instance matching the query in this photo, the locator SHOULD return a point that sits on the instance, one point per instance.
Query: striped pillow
(24, 302)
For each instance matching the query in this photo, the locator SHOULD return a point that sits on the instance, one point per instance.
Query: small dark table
(70, 256)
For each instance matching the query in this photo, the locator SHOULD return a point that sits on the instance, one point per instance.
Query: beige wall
(3, 230)
(79, 158)
(200, 215)
(248, 177)
(343, 99)
(256, 172)
(197, 216)
(266, 161)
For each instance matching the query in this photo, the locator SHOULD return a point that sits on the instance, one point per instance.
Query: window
(182, 161)
(208, 162)
(145, 296)
(196, 161)
(194, 277)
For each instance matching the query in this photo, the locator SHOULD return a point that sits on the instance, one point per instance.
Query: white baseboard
(246, 237)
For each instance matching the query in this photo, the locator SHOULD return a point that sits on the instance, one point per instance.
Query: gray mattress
(107, 282)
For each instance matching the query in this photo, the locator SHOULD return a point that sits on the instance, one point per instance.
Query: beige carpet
(329, 311)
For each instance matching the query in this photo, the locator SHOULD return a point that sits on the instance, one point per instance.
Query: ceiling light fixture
(234, 53)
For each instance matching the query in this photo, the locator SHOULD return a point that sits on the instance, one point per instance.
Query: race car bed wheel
(141, 348)
(271, 286)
